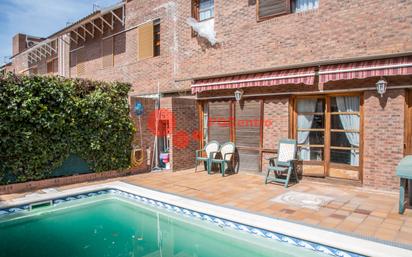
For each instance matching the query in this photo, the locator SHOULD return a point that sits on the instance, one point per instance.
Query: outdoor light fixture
(238, 94)
(381, 86)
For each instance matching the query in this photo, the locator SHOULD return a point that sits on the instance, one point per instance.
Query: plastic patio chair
(211, 149)
(283, 164)
(227, 151)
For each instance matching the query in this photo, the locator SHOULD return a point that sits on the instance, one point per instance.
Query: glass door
(328, 131)
(310, 134)
(344, 137)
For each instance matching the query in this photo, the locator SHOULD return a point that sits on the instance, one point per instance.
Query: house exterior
(305, 69)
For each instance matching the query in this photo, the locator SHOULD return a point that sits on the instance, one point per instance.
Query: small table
(404, 171)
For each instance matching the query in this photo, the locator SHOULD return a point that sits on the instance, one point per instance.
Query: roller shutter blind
(248, 123)
(270, 8)
(249, 160)
(219, 121)
(248, 134)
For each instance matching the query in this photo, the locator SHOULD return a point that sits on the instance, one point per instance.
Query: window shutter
(107, 52)
(270, 8)
(145, 41)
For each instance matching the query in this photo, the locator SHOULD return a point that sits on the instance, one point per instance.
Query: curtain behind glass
(304, 5)
(305, 122)
(205, 123)
(350, 122)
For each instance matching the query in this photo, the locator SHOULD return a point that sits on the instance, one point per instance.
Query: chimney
(19, 43)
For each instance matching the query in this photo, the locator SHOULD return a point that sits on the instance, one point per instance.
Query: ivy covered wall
(44, 119)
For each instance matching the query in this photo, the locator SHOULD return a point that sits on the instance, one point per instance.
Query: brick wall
(383, 138)
(337, 29)
(275, 112)
(20, 64)
(144, 74)
(185, 140)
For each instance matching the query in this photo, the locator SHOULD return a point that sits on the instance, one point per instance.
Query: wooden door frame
(293, 125)
(327, 142)
(200, 107)
(407, 146)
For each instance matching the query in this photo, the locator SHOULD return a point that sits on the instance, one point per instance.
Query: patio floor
(352, 210)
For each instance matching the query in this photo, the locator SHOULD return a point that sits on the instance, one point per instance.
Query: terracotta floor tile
(311, 221)
(348, 226)
(379, 214)
(394, 227)
(394, 221)
(404, 237)
(386, 234)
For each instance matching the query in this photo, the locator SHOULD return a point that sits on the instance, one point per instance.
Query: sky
(40, 18)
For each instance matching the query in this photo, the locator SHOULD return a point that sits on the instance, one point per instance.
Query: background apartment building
(302, 64)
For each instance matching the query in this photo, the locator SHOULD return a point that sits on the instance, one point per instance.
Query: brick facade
(336, 32)
(384, 138)
(144, 74)
(275, 110)
(185, 137)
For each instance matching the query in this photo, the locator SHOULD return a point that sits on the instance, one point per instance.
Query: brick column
(383, 138)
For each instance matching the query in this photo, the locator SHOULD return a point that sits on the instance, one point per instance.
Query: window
(203, 9)
(304, 5)
(156, 37)
(206, 9)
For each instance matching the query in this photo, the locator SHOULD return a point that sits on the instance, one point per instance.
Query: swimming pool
(118, 222)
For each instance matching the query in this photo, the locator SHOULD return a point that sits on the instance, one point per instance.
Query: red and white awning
(366, 69)
(293, 76)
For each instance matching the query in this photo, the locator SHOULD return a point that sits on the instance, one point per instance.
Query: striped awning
(366, 69)
(265, 79)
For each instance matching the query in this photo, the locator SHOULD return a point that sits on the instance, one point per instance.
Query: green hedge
(44, 119)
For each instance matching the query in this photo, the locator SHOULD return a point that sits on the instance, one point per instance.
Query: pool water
(110, 226)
